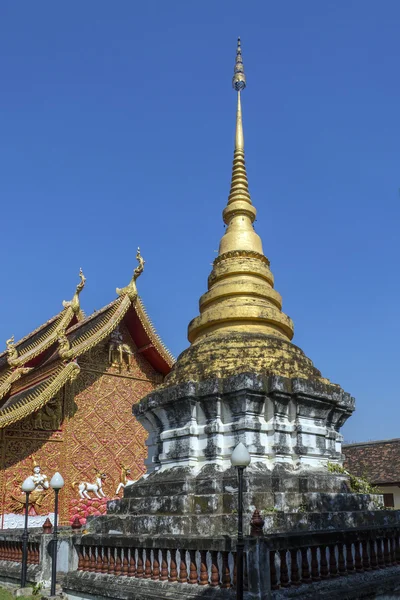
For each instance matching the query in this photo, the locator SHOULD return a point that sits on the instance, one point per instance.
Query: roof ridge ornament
(130, 290)
(64, 345)
(12, 352)
(74, 303)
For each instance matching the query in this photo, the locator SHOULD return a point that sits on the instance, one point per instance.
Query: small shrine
(66, 393)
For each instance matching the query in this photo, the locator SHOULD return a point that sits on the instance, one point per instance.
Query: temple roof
(378, 461)
(38, 340)
(33, 398)
(26, 384)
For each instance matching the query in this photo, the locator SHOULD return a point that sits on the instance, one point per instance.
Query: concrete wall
(391, 489)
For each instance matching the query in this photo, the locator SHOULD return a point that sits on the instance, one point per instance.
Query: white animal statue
(97, 488)
(125, 479)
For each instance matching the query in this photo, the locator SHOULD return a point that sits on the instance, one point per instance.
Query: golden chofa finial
(131, 290)
(74, 303)
(12, 352)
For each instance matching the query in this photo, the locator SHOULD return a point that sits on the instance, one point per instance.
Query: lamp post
(240, 459)
(28, 486)
(56, 482)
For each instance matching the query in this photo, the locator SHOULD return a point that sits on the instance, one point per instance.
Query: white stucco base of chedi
(295, 422)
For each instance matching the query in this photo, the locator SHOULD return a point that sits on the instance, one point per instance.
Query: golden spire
(240, 295)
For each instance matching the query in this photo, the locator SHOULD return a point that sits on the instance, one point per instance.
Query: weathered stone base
(88, 586)
(360, 586)
(10, 572)
(365, 586)
(176, 502)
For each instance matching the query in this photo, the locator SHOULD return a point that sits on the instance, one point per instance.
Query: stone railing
(203, 562)
(39, 559)
(307, 558)
(12, 551)
(305, 561)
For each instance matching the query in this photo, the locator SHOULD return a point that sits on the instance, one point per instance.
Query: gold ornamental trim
(5, 386)
(43, 393)
(242, 254)
(151, 331)
(88, 339)
(44, 342)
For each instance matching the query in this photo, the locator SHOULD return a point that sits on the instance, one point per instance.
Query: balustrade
(11, 550)
(193, 567)
(325, 557)
(294, 559)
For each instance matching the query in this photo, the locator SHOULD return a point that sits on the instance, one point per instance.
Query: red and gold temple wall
(89, 426)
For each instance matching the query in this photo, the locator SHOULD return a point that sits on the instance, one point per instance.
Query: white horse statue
(97, 488)
(125, 479)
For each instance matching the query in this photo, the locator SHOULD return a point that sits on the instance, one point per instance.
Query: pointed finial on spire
(239, 78)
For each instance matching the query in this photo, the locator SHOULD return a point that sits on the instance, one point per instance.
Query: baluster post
(183, 576)
(156, 565)
(305, 569)
(386, 552)
(341, 561)
(203, 568)
(294, 568)
(349, 559)
(372, 555)
(147, 564)
(164, 566)
(86, 559)
(379, 552)
(393, 548)
(314, 564)
(118, 562)
(132, 563)
(125, 564)
(111, 561)
(139, 564)
(214, 569)
(226, 574)
(99, 560)
(333, 570)
(104, 565)
(92, 559)
(357, 557)
(193, 576)
(284, 569)
(365, 556)
(272, 569)
(173, 572)
(80, 557)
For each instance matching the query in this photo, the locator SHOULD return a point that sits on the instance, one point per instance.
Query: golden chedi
(241, 326)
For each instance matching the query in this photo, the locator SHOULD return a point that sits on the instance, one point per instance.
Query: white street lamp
(240, 459)
(56, 483)
(28, 486)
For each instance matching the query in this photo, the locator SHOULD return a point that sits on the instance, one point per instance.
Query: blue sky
(117, 125)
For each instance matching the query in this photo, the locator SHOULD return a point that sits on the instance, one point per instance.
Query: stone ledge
(11, 572)
(88, 585)
(350, 587)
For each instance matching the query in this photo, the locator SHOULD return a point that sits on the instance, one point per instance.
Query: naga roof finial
(12, 352)
(74, 303)
(131, 290)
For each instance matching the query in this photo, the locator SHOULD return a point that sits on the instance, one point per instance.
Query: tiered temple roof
(33, 370)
